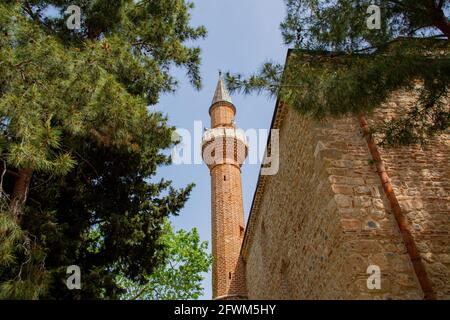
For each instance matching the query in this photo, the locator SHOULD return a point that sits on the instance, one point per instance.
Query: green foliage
(19, 252)
(180, 276)
(339, 66)
(341, 25)
(73, 109)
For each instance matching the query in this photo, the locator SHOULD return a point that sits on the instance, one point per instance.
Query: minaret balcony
(224, 145)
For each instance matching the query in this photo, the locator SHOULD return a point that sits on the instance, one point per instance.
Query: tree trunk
(20, 192)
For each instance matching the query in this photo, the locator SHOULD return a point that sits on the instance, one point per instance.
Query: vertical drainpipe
(402, 222)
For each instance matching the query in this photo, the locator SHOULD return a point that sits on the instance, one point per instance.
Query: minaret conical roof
(221, 93)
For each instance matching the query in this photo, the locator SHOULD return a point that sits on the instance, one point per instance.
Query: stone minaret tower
(224, 150)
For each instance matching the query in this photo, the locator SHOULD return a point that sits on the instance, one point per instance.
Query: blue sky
(242, 34)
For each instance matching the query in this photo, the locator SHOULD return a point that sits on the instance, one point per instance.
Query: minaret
(224, 150)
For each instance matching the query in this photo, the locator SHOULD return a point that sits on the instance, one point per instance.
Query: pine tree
(78, 145)
(339, 65)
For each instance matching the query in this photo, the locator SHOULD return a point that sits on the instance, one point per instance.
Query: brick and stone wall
(317, 225)
(420, 176)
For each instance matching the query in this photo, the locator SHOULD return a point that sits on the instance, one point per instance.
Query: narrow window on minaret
(224, 178)
(229, 275)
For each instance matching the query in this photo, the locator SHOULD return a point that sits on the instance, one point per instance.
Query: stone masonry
(317, 225)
